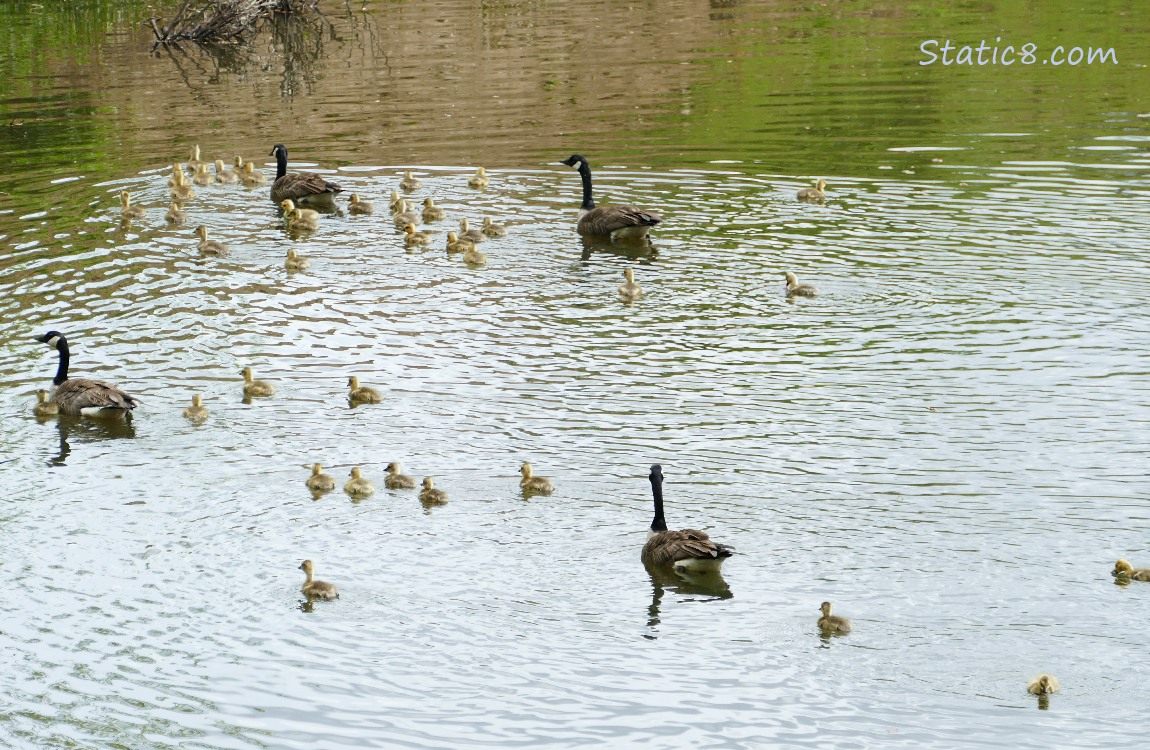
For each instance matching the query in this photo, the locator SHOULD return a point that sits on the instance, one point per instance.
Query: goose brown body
(305, 188)
(686, 548)
(616, 222)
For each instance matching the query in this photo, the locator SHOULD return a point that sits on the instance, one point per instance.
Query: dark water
(947, 443)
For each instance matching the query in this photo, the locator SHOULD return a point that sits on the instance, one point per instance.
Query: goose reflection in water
(634, 250)
(707, 587)
(89, 430)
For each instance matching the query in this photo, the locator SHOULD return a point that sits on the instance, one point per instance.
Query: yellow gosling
(829, 623)
(127, 210)
(629, 290)
(430, 495)
(314, 589)
(397, 481)
(409, 183)
(212, 248)
(318, 481)
(795, 289)
(196, 412)
(491, 229)
(295, 262)
(432, 212)
(1123, 569)
(1043, 684)
(532, 484)
(253, 387)
(175, 216)
(357, 486)
(362, 394)
(815, 194)
(44, 407)
(479, 179)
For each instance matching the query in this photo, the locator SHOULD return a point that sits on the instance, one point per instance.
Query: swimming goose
(397, 481)
(1123, 569)
(203, 177)
(305, 188)
(254, 387)
(44, 407)
(81, 395)
(357, 207)
(175, 216)
(795, 289)
(127, 210)
(1043, 684)
(362, 394)
(318, 481)
(226, 175)
(357, 486)
(687, 549)
(533, 484)
(491, 229)
(182, 191)
(432, 212)
(314, 589)
(409, 183)
(467, 233)
(473, 256)
(616, 222)
(250, 177)
(829, 623)
(298, 221)
(295, 262)
(430, 495)
(214, 248)
(196, 412)
(402, 217)
(412, 238)
(629, 290)
(815, 194)
(479, 179)
(457, 245)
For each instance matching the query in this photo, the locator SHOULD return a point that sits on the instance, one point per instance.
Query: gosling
(430, 495)
(357, 486)
(362, 394)
(314, 589)
(795, 289)
(472, 256)
(409, 183)
(1043, 684)
(318, 481)
(397, 481)
(256, 387)
(295, 261)
(196, 412)
(815, 194)
(1123, 569)
(288, 206)
(533, 484)
(479, 179)
(44, 407)
(175, 216)
(629, 290)
(412, 238)
(457, 245)
(829, 623)
(432, 212)
(491, 229)
(252, 178)
(357, 207)
(226, 175)
(213, 248)
(127, 211)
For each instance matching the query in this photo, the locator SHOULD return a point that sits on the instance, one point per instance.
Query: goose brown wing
(607, 219)
(668, 547)
(299, 185)
(76, 394)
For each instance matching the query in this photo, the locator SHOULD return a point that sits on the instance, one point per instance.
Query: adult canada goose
(253, 387)
(815, 194)
(457, 245)
(687, 549)
(225, 175)
(412, 238)
(1123, 569)
(357, 207)
(214, 248)
(362, 394)
(395, 199)
(314, 589)
(182, 191)
(298, 221)
(175, 216)
(196, 412)
(295, 261)
(409, 183)
(533, 484)
(318, 481)
(829, 623)
(430, 494)
(305, 188)
(491, 229)
(1043, 684)
(44, 407)
(357, 486)
(479, 179)
(397, 481)
(473, 256)
(432, 212)
(203, 177)
(629, 290)
(194, 160)
(127, 210)
(250, 177)
(80, 395)
(402, 217)
(467, 233)
(616, 222)
(795, 289)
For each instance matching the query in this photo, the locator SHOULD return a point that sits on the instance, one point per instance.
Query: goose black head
(51, 338)
(575, 160)
(278, 149)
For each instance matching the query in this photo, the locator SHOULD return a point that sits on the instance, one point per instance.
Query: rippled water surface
(948, 442)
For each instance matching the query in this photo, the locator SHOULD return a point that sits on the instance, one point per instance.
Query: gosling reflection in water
(706, 586)
(89, 430)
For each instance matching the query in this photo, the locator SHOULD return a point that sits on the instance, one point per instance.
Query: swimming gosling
(815, 194)
(533, 484)
(357, 486)
(1043, 684)
(430, 495)
(254, 387)
(829, 623)
(196, 412)
(397, 481)
(318, 481)
(629, 290)
(362, 394)
(795, 289)
(45, 407)
(314, 589)
(1123, 569)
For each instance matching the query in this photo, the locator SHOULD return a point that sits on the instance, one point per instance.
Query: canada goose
(194, 160)
(395, 199)
(533, 484)
(397, 481)
(225, 175)
(357, 207)
(318, 481)
(688, 549)
(1123, 569)
(616, 222)
(254, 387)
(80, 395)
(491, 229)
(412, 238)
(430, 495)
(314, 589)
(457, 245)
(182, 191)
(250, 177)
(629, 290)
(175, 216)
(795, 289)
(479, 179)
(432, 212)
(1043, 684)
(817, 193)
(829, 623)
(196, 412)
(473, 256)
(362, 394)
(305, 188)
(357, 486)
(295, 261)
(298, 221)
(44, 407)
(127, 210)
(403, 217)
(409, 183)
(467, 233)
(287, 205)
(213, 248)
(203, 177)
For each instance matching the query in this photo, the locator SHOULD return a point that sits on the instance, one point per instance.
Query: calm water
(948, 443)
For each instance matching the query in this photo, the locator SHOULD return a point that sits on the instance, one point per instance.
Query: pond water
(946, 443)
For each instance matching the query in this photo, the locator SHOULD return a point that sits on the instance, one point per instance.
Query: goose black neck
(281, 161)
(62, 370)
(585, 173)
(659, 523)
